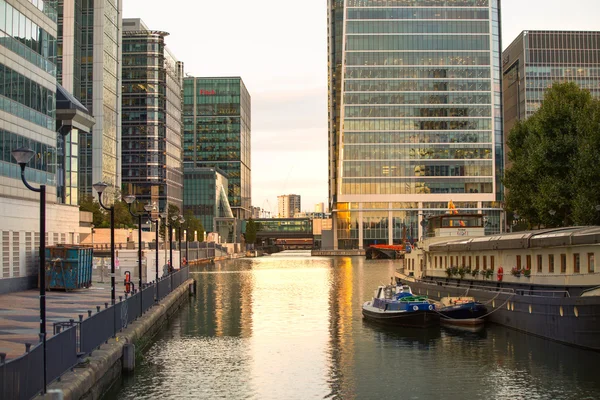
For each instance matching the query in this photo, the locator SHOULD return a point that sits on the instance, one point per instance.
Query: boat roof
(551, 237)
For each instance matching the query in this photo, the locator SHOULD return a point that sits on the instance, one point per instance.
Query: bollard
(120, 298)
(27, 347)
(89, 313)
(128, 357)
(105, 305)
(2, 358)
(97, 308)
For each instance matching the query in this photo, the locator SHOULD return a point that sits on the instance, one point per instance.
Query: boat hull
(464, 312)
(570, 320)
(413, 319)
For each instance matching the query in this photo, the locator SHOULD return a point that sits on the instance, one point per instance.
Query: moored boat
(396, 305)
(462, 311)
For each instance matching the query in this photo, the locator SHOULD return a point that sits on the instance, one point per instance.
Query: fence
(22, 377)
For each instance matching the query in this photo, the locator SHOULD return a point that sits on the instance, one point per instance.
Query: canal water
(289, 326)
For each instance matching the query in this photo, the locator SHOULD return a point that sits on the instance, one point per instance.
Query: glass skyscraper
(415, 115)
(217, 126)
(206, 195)
(151, 117)
(536, 59)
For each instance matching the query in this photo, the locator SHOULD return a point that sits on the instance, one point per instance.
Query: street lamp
(23, 156)
(174, 218)
(100, 187)
(129, 200)
(181, 221)
(149, 208)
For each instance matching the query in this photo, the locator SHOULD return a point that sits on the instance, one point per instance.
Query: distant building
(206, 195)
(320, 208)
(415, 115)
(151, 114)
(288, 205)
(536, 59)
(217, 134)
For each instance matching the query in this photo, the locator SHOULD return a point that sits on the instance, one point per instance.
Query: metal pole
(157, 222)
(43, 275)
(112, 255)
(170, 246)
(140, 250)
(179, 246)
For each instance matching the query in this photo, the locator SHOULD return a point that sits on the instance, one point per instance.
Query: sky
(279, 48)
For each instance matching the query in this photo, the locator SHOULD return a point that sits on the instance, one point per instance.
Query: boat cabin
(459, 225)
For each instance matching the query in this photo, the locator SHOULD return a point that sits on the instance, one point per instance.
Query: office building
(288, 205)
(28, 119)
(206, 195)
(89, 67)
(415, 115)
(536, 59)
(217, 129)
(320, 208)
(151, 117)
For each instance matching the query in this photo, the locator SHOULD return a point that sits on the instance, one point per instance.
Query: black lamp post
(149, 208)
(23, 156)
(100, 187)
(181, 221)
(129, 200)
(169, 234)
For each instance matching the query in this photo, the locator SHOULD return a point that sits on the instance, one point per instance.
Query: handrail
(590, 290)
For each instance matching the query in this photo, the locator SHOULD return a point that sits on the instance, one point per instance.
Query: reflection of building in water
(340, 326)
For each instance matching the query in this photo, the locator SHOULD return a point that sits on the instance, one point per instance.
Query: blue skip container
(68, 267)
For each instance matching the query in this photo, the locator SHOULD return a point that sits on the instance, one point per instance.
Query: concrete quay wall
(89, 381)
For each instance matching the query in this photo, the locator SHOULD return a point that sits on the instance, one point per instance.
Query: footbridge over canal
(290, 233)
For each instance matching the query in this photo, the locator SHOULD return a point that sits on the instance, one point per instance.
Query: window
(469, 261)
(539, 263)
(551, 263)
(563, 263)
(464, 258)
(435, 261)
(591, 266)
(492, 263)
(576, 265)
(528, 262)
(484, 262)
(446, 261)
(476, 262)
(518, 262)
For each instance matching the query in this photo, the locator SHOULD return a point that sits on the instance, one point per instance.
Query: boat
(398, 306)
(542, 282)
(462, 311)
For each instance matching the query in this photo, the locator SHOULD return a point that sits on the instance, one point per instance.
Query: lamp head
(100, 187)
(129, 199)
(163, 215)
(149, 207)
(552, 212)
(181, 219)
(174, 218)
(23, 156)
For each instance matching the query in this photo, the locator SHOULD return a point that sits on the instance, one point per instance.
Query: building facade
(536, 59)
(206, 195)
(151, 117)
(217, 134)
(415, 115)
(288, 205)
(28, 119)
(89, 66)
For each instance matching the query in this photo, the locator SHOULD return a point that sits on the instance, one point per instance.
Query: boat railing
(590, 290)
(502, 290)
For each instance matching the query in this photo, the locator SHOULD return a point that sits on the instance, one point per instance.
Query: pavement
(20, 313)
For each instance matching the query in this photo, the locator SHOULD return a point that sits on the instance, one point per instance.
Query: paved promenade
(20, 313)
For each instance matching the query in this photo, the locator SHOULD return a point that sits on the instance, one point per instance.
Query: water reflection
(290, 327)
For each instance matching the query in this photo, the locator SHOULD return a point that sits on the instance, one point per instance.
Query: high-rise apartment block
(217, 129)
(415, 115)
(288, 205)
(151, 117)
(89, 67)
(536, 59)
(28, 89)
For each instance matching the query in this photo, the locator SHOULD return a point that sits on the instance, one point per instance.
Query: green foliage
(123, 218)
(172, 210)
(555, 156)
(252, 228)
(87, 203)
(193, 224)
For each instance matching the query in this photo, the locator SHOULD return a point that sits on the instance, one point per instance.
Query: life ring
(415, 308)
(430, 307)
(500, 274)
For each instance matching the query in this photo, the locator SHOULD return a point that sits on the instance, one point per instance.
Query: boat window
(476, 262)
(539, 263)
(591, 265)
(551, 263)
(563, 263)
(484, 262)
(492, 263)
(446, 261)
(528, 262)
(518, 262)
(464, 259)
(469, 261)
(576, 263)
(421, 264)
(435, 261)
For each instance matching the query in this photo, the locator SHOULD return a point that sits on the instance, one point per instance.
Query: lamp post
(149, 208)
(168, 233)
(174, 218)
(23, 156)
(100, 187)
(129, 200)
(181, 221)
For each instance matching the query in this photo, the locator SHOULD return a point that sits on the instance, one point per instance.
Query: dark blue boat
(462, 311)
(396, 305)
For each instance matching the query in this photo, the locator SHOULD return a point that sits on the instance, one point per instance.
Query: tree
(193, 224)
(87, 203)
(172, 211)
(252, 228)
(554, 179)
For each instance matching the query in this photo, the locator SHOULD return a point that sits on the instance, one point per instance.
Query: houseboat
(542, 282)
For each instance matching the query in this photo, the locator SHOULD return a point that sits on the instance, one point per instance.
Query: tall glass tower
(414, 115)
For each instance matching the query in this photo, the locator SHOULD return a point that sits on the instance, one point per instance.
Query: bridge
(298, 231)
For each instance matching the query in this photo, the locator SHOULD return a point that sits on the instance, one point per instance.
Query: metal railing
(21, 378)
